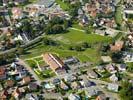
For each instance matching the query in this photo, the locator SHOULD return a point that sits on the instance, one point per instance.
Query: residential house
(20, 72)
(16, 93)
(14, 65)
(91, 92)
(2, 73)
(98, 31)
(106, 59)
(92, 74)
(110, 23)
(91, 9)
(31, 97)
(84, 21)
(64, 86)
(80, 12)
(9, 83)
(113, 87)
(101, 97)
(26, 80)
(71, 60)
(49, 87)
(121, 67)
(45, 3)
(33, 10)
(56, 81)
(117, 46)
(75, 85)
(74, 97)
(17, 13)
(5, 2)
(127, 12)
(111, 68)
(4, 95)
(86, 83)
(130, 40)
(55, 63)
(128, 57)
(70, 78)
(100, 68)
(113, 78)
(110, 32)
(33, 87)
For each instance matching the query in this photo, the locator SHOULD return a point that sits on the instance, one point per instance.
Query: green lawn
(76, 25)
(119, 14)
(44, 74)
(63, 5)
(31, 63)
(73, 37)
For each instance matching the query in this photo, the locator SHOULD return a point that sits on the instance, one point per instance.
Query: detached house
(113, 78)
(122, 67)
(117, 46)
(16, 93)
(9, 83)
(111, 68)
(5, 2)
(101, 97)
(113, 87)
(64, 86)
(2, 73)
(17, 13)
(92, 74)
(26, 80)
(74, 97)
(3, 95)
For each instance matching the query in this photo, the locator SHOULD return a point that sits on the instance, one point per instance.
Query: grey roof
(74, 97)
(46, 3)
(31, 96)
(113, 87)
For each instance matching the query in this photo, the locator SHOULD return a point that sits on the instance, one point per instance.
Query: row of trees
(47, 41)
(30, 28)
(80, 47)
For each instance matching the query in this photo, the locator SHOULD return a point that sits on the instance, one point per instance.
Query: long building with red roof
(54, 62)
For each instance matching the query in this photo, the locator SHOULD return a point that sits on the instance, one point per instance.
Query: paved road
(77, 29)
(31, 71)
(51, 96)
(34, 57)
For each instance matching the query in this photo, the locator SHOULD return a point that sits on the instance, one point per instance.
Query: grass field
(73, 37)
(63, 5)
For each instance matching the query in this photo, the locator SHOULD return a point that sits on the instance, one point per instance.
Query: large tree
(126, 92)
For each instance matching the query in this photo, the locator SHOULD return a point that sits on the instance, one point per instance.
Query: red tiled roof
(54, 61)
(2, 71)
